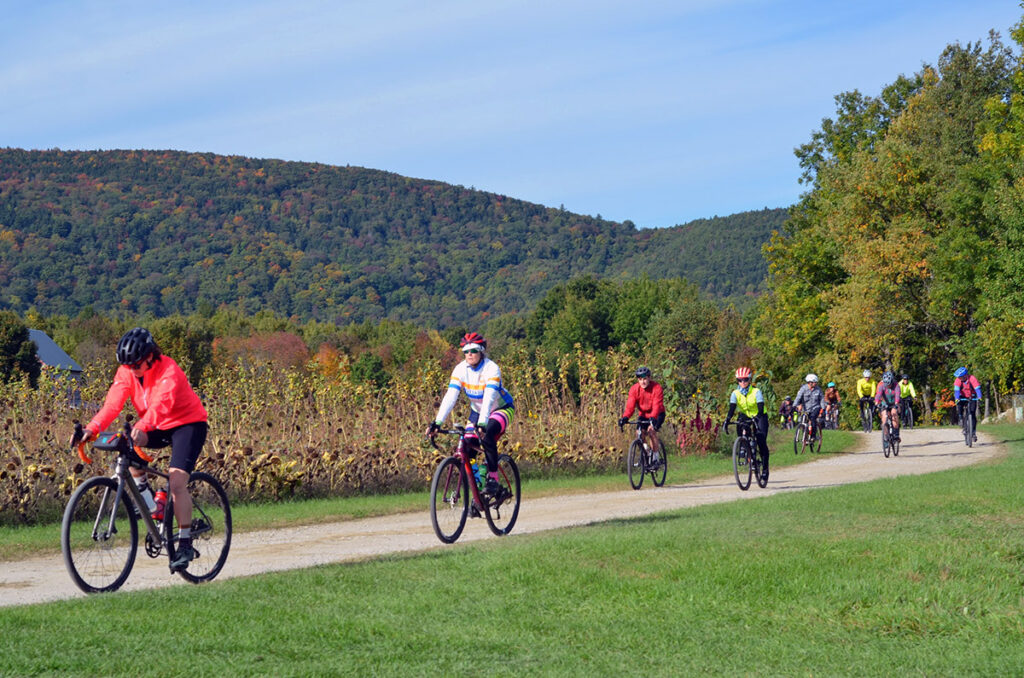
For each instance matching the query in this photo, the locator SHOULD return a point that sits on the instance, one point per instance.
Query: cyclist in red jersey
(170, 413)
(646, 397)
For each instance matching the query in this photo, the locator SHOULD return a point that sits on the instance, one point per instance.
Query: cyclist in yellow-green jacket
(907, 391)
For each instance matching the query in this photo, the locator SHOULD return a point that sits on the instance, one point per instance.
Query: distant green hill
(167, 232)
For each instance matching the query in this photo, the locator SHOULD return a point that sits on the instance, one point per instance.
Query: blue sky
(655, 111)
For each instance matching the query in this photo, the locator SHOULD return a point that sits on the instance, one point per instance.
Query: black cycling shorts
(186, 443)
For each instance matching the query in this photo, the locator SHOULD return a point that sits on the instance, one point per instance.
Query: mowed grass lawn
(911, 576)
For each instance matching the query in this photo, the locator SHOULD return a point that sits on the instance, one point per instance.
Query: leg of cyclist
(186, 443)
(652, 433)
(973, 404)
(761, 435)
(497, 423)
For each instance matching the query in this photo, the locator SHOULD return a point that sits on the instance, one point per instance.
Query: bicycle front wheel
(501, 512)
(210, 526)
(449, 500)
(659, 468)
(798, 437)
(865, 419)
(99, 536)
(741, 465)
(968, 429)
(635, 464)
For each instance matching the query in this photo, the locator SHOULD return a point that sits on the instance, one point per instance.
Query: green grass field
(919, 575)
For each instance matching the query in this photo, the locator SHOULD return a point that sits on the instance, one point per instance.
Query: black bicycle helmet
(905, 376)
(643, 372)
(135, 346)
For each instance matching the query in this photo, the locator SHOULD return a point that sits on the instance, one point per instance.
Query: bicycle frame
(121, 465)
(463, 459)
(644, 428)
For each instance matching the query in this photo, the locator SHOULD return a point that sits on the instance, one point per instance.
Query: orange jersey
(163, 398)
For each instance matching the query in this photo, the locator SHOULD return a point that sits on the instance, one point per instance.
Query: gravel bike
(966, 420)
(890, 440)
(802, 438)
(867, 413)
(746, 462)
(99, 535)
(645, 457)
(831, 419)
(454, 486)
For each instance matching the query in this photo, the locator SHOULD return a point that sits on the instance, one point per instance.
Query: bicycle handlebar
(78, 442)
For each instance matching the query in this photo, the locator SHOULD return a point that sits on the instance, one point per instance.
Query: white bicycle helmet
(811, 377)
(867, 374)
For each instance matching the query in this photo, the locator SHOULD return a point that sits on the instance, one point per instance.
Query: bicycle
(802, 438)
(966, 420)
(451, 489)
(99, 535)
(831, 419)
(746, 462)
(906, 414)
(867, 413)
(786, 421)
(644, 458)
(890, 442)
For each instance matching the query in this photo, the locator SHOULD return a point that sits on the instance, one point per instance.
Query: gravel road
(923, 451)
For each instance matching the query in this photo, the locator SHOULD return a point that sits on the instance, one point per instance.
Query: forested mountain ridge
(167, 232)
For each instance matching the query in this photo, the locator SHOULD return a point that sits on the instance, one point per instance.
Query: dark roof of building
(50, 353)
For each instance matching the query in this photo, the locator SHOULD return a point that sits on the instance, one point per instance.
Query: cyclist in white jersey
(491, 405)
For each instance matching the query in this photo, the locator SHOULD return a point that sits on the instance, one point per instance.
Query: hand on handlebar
(433, 429)
(622, 421)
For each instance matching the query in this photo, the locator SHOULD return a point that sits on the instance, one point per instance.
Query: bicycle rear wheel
(210, 526)
(501, 513)
(659, 468)
(449, 500)
(758, 464)
(98, 536)
(819, 436)
(635, 464)
(741, 465)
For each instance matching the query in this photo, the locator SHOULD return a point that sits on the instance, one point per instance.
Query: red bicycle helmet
(473, 338)
(744, 373)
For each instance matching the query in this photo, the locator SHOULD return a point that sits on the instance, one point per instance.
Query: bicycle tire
(211, 528)
(449, 500)
(501, 516)
(866, 419)
(816, 441)
(635, 464)
(98, 564)
(741, 465)
(758, 465)
(908, 421)
(968, 428)
(659, 469)
(798, 434)
(895, 445)
(885, 441)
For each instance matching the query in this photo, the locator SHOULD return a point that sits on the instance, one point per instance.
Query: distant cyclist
(866, 388)
(967, 393)
(907, 391)
(832, 402)
(786, 412)
(647, 399)
(750, 403)
(810, 399)
(887, 400)
(491, 407)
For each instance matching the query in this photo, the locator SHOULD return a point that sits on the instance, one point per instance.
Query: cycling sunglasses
(472, 350)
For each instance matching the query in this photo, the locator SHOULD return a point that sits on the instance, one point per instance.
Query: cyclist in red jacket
(646, 398)
(170, 413)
